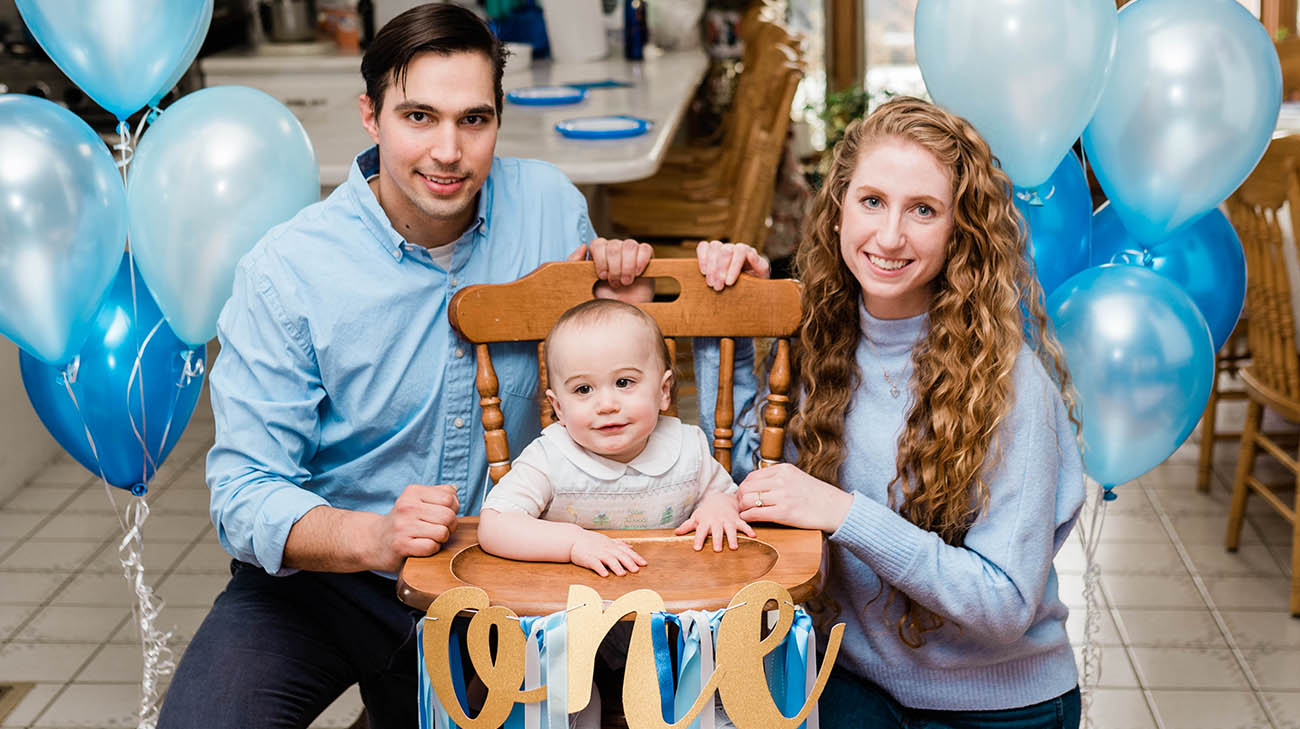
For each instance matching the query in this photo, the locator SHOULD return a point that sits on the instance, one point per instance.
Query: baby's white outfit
(556, 479)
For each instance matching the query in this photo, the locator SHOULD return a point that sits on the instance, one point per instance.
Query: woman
(935, 436)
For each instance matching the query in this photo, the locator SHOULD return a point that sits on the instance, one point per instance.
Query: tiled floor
(1192, 637)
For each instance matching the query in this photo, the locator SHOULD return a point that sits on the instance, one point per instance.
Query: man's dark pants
(276, 651)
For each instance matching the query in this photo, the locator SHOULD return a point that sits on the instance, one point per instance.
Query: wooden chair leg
(1240, 485)
(1205, 463)
(1295, 552)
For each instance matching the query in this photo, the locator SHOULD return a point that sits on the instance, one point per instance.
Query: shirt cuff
(281, 510)
(887, 542)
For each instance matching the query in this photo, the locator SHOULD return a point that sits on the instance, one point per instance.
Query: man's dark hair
(443, 28)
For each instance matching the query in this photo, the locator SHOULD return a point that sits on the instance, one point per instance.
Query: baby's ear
(666, 390)
(555, 405)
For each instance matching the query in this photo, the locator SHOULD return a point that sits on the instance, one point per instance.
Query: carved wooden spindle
(494, 422)
(724, 414)
(775, 414)
(547, 414)
(672, 365)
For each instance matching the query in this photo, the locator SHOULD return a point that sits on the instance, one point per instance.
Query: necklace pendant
(893, 390)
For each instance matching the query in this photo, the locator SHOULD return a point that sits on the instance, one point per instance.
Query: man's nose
(445, 146)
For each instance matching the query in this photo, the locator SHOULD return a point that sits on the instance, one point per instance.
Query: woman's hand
(722, 263)
(597, 552)
(786, 495)
(718, 513)
(619, 264)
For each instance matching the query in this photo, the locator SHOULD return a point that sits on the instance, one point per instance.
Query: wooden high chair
(525, 310)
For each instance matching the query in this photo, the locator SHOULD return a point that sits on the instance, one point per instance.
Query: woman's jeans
(851, 702)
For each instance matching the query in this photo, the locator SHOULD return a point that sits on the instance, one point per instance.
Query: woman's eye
(924, 210)
(871, 201)
(624, 382)
(583, 389)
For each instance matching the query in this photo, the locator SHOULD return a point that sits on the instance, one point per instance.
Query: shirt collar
(661, 452)
(366, 166)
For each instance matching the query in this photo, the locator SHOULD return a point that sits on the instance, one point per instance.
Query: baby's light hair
(599, 311)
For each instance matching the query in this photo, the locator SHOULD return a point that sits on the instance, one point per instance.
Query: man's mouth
(444, 184)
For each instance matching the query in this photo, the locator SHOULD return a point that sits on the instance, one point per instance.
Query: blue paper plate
(604, 127)
(547, 95)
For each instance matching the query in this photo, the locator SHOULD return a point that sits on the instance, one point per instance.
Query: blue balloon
(120, 52)
(218, 169)
(1142, 362)
(114, 396)
(1059, 216)
(62, 226)
(1204, 258)
(1027, 74)
(1188, 111)
(187, 57)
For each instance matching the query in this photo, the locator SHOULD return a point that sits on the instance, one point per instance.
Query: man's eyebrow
(408, 106)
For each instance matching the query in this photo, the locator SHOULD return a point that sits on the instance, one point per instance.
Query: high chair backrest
(1256, 210)
(525, 310)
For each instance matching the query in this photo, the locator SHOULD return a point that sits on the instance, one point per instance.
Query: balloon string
(150, 467)
(69, 376)
(193, 368)
(1091, 536)
(159, 661)
(124, 147)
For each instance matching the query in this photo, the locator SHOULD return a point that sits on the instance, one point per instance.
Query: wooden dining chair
(1272, 376)
(526, 309)
(1288, 55)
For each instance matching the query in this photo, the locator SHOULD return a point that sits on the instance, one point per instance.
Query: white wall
(25, 447)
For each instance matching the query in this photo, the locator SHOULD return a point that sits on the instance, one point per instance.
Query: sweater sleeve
(993, 583)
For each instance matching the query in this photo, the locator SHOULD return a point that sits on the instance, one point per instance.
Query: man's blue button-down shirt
(340, 380)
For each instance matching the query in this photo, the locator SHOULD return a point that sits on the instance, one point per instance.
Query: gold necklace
(893, 386)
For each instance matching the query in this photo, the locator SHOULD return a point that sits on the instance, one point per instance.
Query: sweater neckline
(888, 334)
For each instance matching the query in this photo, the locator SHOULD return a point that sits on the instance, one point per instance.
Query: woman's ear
(555, 405)
(666, 390)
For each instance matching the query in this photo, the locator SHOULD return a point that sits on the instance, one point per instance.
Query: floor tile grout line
(1131, 656)
(1213, 607)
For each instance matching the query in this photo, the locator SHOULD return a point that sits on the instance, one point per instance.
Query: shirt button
(459, 422)
(460, 352)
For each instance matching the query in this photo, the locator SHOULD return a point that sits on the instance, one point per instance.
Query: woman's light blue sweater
(1004, 643)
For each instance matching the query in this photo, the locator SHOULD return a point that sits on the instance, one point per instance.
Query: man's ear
(666, 390)
(369, 119)
(555, 405)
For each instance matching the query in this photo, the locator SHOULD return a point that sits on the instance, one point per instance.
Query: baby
(612, 461)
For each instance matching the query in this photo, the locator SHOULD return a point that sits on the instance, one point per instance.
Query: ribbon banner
(724, 670)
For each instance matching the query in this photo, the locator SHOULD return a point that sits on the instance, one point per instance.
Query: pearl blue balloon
(1140, 356)
(1026, 73)
(62, 226)
(120, 52)
(187, 57)
(1204, 258)
(111, 393)
(212, 174)
(1188, 111)
(1059, 216)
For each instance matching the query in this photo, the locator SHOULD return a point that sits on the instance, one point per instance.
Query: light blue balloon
(1204, 258)
(1142, 362)
(1188, 111)
(62, 226)
(191, 52)
(218, 169)
(120, 52)
(1059, 216)
(1026, 73)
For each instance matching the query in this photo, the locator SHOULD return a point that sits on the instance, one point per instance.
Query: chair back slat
(525, 310)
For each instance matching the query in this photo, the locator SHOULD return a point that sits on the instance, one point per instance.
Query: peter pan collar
(661, 451)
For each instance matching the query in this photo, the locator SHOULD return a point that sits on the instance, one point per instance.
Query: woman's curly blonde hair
(986, 302)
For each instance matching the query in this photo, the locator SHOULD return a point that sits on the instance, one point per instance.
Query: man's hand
(619, 263)
(718, 513)
(597, 552)
(722, 263)
(421, 520)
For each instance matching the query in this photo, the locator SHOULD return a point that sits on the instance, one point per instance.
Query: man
(348, 430)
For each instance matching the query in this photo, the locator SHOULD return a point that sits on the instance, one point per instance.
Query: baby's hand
(718, 513)
(597, 551)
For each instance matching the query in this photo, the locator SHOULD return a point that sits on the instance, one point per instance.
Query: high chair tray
(684, 578)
